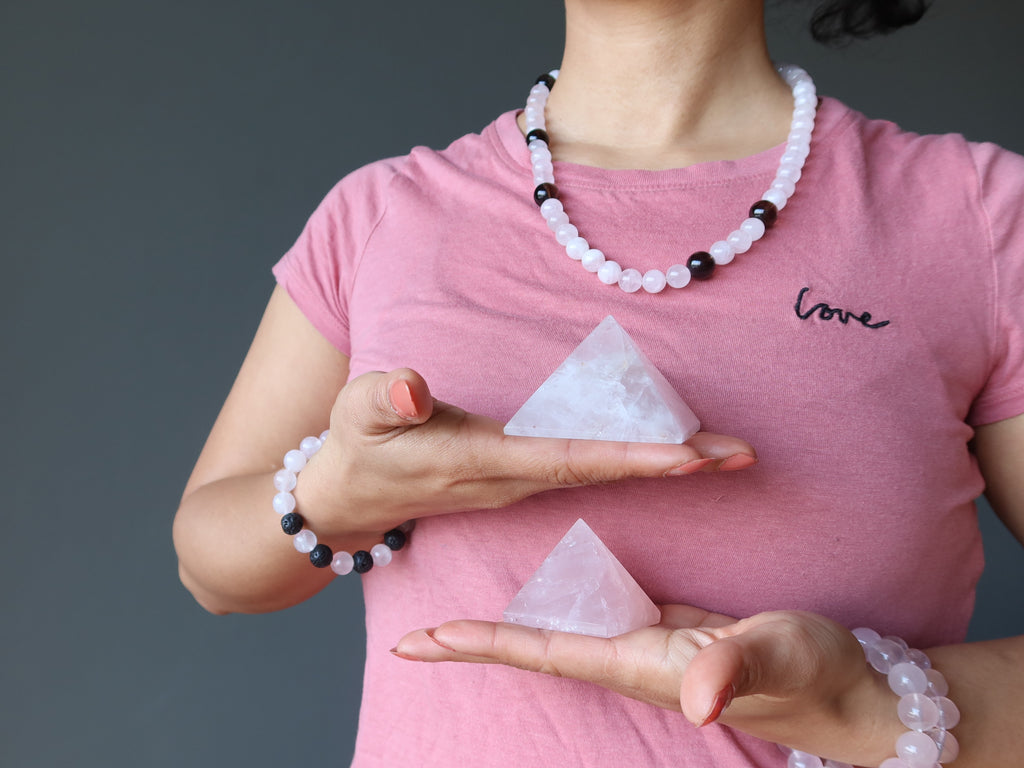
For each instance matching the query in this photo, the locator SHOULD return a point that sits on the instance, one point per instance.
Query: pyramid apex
(607, 389)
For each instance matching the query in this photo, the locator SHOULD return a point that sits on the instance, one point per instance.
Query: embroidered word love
(825, 312)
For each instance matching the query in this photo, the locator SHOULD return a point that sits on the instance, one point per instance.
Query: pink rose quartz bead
(294, 460)
(937, 685)
(342, 563)
(949, 745)
(917, 750)
(918, 712)
(381, 554)
(654, 281)
(798, 759)
(906, 678)
(722, 252)
(678, 276)
(285, 480)
(630, 280)
(949, 713)
(882, 654)
(284, 503)
(305, 541)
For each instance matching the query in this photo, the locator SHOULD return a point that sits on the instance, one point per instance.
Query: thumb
(780, 655)
(377, 403)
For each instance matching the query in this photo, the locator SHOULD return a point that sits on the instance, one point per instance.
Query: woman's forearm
(233, 556)
(985, 682)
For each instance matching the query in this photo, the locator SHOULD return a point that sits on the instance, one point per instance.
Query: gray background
(155, 159)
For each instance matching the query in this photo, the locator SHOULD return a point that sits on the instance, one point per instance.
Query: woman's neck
(665, 83)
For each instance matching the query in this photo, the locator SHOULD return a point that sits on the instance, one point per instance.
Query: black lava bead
(701, 265)
(547, 79)
(394, 539)
(545, 192)
(291, 523)
(362, 561)
(765, 211)
(538, 134)
(321, 556)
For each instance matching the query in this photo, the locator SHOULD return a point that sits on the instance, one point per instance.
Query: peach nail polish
(400, 395)
(739, 461)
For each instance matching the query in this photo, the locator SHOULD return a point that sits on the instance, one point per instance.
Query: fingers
(565, 463)
(536, 650)
(377, 403)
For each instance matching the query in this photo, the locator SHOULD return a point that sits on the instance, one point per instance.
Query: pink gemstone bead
(920, 658)
(917, 712)
(776, 198)
(917, 750)
(678, 276)
(882, 654)
(556, 220)
(865, 636)
(576, 248)
(342, 563)
(949, 712)
(381, 554)
(285, 480)
(739, 241)
(309, 446)
(550, 207)
(565, 233)
(592, 260)
(949, 745)
(609, 273)
(654, 281)
(753, 227)
(295, 460)
(937, 685)
(630, 280)
(906, 678)
(798, 759)
(284, 503)
(305, 540)
(722, 252)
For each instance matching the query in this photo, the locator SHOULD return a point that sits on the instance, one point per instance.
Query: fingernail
(689, 467)
(739, 461)
(400, 395)
(430, 634)
(399, 654)
(722, 700)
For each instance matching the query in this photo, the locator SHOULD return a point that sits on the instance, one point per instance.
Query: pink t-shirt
(854, 346)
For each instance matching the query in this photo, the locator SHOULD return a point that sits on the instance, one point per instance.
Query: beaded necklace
(700, 265)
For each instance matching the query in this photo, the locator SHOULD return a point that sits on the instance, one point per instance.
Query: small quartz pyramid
(582, 588)
(606, 389)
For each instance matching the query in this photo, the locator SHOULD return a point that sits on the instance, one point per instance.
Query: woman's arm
(232, 554)
(394, 454)
(789, 677)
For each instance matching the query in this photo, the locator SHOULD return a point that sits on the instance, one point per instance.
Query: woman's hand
(790, 677)
(395, 454)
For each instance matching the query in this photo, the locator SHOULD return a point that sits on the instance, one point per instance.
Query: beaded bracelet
(320, 555)
(923, 707)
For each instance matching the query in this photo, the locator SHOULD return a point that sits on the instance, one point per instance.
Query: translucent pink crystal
(606, 389)
(582, 588)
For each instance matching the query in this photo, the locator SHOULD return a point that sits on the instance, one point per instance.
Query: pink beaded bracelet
(320, 555)
(923, 707)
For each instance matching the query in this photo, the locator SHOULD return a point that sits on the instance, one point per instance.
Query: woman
(878, 383)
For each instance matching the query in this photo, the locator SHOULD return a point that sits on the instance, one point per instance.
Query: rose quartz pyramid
(606, 389)
(582, 588)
